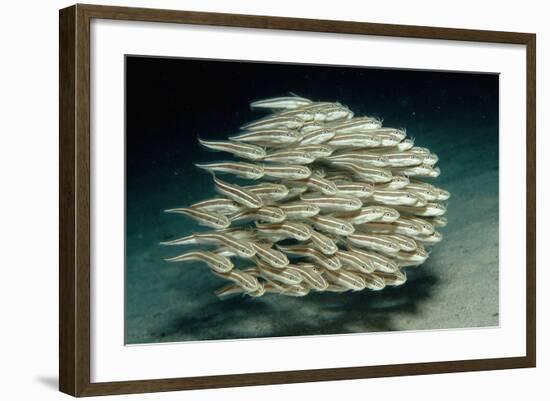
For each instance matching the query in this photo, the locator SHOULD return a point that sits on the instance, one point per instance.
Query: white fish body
(204, 218)
(243, 150)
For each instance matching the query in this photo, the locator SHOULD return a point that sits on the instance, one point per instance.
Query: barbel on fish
(240, 169)
(217, 263)
(204, 218)
(243, 150)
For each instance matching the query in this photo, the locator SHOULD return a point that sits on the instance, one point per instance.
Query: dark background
(170, 100)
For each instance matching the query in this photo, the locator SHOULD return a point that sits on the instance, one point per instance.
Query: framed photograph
(250, 200)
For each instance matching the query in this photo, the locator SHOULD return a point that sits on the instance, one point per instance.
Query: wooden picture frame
(74, 205)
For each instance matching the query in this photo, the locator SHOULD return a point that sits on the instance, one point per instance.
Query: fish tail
(180, 258)
(190, 239)
(205, 167)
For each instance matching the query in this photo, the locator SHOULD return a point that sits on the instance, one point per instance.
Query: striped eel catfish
(284, 275)
(238, 194)
(269, 214)
(289, 102)
(286, 171)
(373, 281)
(381, 263)
(329, 262)
(217, 263)
(332, 202)
(246, 281)
(268, 191)
(243, 150)
(311, 275)
(323, 243)
(317, 184)
(208, 219)
(355, 261)
(217, 205)
(318, 151)
(375, 242)
(356, 189)
(268, 137)
(316, 137)
(241, 248)
(394, 279)
(359, 157)
(288, 229)
(233, 289)
(355, 125)
(332, 225)
(270, 256)
(299, 210)
(239, 169)
(290, 156)
(346, 279)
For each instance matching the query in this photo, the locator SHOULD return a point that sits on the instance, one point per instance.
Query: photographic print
(274, 199)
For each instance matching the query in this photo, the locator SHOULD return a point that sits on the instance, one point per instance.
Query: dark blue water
(169, 102)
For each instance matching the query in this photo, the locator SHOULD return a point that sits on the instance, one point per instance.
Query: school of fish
(334, 202)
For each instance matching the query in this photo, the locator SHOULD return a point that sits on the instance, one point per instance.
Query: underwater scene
(276, 199)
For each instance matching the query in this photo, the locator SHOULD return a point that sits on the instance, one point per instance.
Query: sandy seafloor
(457, 287)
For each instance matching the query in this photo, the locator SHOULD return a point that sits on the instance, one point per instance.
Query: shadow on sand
(317, 313)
